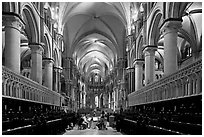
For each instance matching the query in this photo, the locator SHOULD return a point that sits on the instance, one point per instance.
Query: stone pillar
(149, 52)
(170, 30)
(190, 86)
(133, 79)
(199, 83)
(57, 84)
(70, 67)
(138, 73)
(109, 100)
(121, 68)
(36, 57)
(69, 74)
(114, 98)
(121, 80)
(80, 99)
(48, 72)
(129, 81)
(84, 99)
(13, 24)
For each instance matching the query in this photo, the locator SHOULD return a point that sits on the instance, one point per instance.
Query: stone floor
(92, 131)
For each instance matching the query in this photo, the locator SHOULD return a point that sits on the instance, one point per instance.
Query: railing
(19, 87)
(185, 82)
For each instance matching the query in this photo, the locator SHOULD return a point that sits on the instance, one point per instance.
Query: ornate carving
(24, 88)
(174, 82)
(171, 26)
(48, 61)
(36, 48)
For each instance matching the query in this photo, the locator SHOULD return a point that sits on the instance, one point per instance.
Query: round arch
(153, 32)
(139, 48)
(46, 47)
(31, 26)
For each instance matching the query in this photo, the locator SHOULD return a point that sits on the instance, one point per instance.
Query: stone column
(58, 71)
(59, 79)
(199, 83)
(149, 52)
(36, 57)
(69, 74)
(129, 80)
(190, 86)
(48, 73)
(109, 100)
(13, 24)
(170, 30)
(138, 73)
(121, 68)
(133, 79)
(114, 98)
(80, 99)
(84, 99)
(69, 67)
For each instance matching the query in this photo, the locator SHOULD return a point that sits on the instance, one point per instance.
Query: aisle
(92, 131)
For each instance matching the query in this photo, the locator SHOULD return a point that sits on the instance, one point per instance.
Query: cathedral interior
(138, 61)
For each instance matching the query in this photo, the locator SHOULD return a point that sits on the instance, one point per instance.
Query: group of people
(85, 122)
(102, 123)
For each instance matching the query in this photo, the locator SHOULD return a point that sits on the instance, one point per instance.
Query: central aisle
(109, 131)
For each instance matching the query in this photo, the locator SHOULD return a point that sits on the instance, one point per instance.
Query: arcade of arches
(114, 55)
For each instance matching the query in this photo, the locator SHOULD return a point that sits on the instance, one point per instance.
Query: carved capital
(12, 21)
(48, 61)
(36, 48)
(149, 50)
(171, 26)
(58, 69)
(138, 62)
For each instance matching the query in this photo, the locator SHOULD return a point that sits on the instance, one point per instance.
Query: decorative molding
(36, 48)
(171, 25)
(170, 20)
(30, 90)
(150, 48)
(138, 61)
(13, 20)
(147, 93)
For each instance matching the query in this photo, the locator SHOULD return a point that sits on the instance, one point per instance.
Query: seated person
(82, 123)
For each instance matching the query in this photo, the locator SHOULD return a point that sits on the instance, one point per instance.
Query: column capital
(36, 48)
(138, 62)
(150, 48)
(58, 69)
(171, 25)
(13, 20)
(48, 60)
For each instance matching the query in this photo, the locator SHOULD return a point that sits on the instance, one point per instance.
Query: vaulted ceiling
(94, 35)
